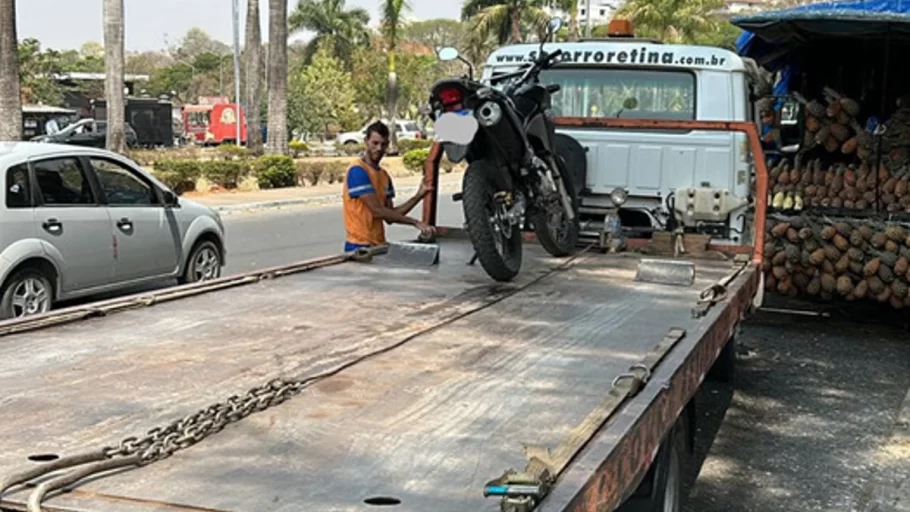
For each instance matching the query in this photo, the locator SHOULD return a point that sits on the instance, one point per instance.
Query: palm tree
(113, 82)
(330, 21)
(505, 18)
(10, 102)
(278, 78)
(391, 29)
(672, 21)
(253, 69)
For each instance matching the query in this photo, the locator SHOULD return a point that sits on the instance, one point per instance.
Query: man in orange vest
(368, 194)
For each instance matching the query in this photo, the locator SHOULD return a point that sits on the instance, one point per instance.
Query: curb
(324, 200)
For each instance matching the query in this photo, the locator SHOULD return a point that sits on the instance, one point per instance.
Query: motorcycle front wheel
(556, 233)
(496, 241)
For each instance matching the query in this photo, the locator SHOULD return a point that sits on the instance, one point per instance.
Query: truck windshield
(600, 92)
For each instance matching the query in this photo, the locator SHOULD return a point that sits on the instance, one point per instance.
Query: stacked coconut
(832, 124)
(840, 186)
(849, 258)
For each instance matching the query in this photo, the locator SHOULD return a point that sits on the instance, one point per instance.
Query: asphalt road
(261, 239)
(258, 239)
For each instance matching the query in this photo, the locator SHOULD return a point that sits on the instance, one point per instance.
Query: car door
(71, 219)
(147, 238)
(17, 218)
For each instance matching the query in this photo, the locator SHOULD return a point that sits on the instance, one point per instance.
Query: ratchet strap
(522, 491)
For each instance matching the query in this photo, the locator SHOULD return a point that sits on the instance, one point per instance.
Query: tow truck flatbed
(448, 376)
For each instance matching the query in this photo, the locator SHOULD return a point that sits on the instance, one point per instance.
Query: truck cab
(644, 175)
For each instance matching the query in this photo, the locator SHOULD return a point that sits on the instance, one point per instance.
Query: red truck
(347, 383)
(214, 121)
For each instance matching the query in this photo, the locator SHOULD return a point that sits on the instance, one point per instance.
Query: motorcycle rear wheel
(563, 240)
(498, 250)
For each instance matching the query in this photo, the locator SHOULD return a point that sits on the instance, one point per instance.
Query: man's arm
(360, 186)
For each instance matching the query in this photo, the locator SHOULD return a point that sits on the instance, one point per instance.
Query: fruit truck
(839, 223)
(353, 381)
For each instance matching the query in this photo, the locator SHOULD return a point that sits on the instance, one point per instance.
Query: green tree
(322, 94)
(435, 33)
(36, 70)
(416, 74)
(673, 21)
(505, 19)
(391, 13)
(344, 29)
(197, 41)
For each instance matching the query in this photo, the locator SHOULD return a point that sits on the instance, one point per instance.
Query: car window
(411, 127)
(121, 186)
(18, 188)
(62, 182)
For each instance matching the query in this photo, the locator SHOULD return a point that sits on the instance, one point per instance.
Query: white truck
(647, 172)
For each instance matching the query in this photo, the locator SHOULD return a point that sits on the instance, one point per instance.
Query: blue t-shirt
(359, 183)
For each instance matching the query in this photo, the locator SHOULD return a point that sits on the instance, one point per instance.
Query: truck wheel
(724, 367)
(662, 488)
(27, 292)
(561, 242)
(204, 263)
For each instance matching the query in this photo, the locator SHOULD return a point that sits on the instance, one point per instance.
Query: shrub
(298, 147)
(231, 151)
(179, 174)
(411, 144)
(335, 172)
(225, 173)
(415, 159)
(275, 171)
(348, 149)
(309, 172)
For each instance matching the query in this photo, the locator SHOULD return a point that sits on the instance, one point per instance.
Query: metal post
(236, 18)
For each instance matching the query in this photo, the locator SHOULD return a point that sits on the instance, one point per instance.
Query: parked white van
(643, 171)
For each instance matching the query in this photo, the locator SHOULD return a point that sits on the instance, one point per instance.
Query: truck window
(661, 94)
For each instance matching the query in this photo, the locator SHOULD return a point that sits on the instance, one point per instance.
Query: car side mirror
(171, 199)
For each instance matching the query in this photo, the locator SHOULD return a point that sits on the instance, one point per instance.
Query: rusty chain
(162, 442)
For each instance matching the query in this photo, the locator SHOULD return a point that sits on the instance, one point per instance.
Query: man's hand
(426, 230)
(423, 190)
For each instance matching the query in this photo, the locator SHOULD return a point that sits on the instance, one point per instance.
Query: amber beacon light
(620, 28)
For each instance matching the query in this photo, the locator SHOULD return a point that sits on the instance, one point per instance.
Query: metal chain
(160, 443)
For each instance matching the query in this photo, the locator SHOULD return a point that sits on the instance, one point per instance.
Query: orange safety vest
(361, 227)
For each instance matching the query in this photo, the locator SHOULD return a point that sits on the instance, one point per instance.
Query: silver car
(77, 221)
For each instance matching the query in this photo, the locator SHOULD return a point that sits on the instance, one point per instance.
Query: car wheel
(204, 263)
(28, 292)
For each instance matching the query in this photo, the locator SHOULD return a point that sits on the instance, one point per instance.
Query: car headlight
(619, 196)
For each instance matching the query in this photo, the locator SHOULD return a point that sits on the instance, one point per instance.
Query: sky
(157, 24)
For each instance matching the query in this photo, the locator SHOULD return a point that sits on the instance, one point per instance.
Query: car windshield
(601, 92)
(410, 127)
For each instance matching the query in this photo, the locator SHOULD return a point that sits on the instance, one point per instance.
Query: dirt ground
(813, 419)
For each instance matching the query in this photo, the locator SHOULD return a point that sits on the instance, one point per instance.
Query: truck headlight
(619, 196)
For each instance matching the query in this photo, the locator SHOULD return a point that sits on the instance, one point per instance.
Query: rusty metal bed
(453, 375)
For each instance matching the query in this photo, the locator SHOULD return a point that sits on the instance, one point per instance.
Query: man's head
(377, 141)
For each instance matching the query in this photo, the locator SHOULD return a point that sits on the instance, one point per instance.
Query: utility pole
(236, 19)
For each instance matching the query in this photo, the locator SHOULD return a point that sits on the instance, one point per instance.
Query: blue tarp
(770, 37)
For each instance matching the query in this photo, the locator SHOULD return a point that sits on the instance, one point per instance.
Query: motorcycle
(505, 130)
